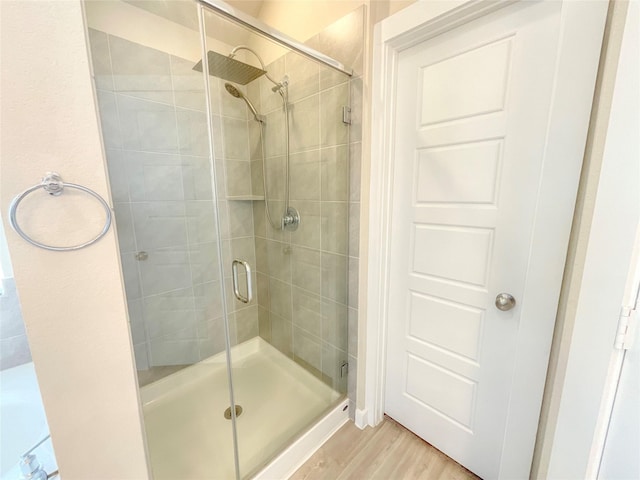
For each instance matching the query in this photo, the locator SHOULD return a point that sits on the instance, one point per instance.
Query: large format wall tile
(109, 119)
(301, 277)
(304, 124)
(14, 348)
(140, 71)
(154, 124)
(304, 173)
(147, 126)
(308, 268)
(124, 222)
(334, 232)
(193, 132)
(334, 162)
(153, 176)
(188, 87)
(307, 311)
(159, 224)
(165, 270)
(99, 43)
(332, 130)
(304, 76)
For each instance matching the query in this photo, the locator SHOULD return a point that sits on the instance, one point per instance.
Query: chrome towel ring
(52, 184)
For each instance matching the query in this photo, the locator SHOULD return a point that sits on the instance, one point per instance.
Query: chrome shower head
(228, 68)
(235, 92)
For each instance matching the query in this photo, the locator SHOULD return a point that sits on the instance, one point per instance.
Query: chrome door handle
(505, 301)
(236, 289)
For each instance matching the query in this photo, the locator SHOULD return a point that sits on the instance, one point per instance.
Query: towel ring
(52, 184)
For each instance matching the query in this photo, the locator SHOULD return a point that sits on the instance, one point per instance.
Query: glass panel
(289, 341)
(153, 112)
(199, 187)
(24, 427)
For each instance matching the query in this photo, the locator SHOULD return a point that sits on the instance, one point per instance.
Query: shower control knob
(505, 301)
(291, 220)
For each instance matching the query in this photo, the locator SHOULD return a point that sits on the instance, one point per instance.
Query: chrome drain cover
(227, 412)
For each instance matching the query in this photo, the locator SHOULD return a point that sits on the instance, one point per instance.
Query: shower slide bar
(246, 20)
(52, 184)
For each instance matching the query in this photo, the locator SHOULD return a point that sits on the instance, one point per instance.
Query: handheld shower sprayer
(234, 91)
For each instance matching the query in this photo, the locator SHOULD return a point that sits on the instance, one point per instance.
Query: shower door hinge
(346, 115)
(626, 328)
(344, 370)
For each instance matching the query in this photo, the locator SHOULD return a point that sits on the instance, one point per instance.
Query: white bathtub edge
(294, 456)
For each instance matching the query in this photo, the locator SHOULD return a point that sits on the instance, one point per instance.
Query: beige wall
(73, 302)
(303, 19)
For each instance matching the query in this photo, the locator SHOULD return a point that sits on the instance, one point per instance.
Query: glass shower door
(156, 134)
(231, 196)
(281, 155)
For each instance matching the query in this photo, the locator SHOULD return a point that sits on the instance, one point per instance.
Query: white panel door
(470, 129)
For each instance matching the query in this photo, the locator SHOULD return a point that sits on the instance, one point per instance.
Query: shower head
(235, 92)
(230, 69)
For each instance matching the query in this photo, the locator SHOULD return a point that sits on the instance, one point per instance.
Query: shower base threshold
(188, 436)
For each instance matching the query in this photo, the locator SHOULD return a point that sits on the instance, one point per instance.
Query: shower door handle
(236, 288)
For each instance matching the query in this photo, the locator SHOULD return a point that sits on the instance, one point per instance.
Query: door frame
(581, 34)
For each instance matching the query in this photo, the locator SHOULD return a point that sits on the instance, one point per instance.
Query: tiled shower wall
(14, 348)
(152, 109)
(344, 41)
(307, 279)
(154, 125)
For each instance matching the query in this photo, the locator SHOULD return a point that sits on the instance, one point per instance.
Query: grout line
(133, 232)
(186, 223)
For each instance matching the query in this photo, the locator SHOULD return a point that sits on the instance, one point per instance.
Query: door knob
(505, 301)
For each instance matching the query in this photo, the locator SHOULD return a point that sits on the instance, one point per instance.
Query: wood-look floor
(387, 452)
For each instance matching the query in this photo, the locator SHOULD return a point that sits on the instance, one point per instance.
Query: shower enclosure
(227, 156)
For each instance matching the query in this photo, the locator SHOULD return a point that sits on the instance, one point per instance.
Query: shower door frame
(265, 30)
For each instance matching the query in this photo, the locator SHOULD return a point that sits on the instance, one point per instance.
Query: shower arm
(233, 53)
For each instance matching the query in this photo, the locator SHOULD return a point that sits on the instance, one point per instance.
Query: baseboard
(362, 418)
(291, 459)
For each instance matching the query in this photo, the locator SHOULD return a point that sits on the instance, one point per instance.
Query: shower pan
(226, 151)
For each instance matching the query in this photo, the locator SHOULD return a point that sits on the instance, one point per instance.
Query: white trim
(582, 25)
(379, 198)
(631, 298)
(624, 118)
(362, 418)
(294, 456)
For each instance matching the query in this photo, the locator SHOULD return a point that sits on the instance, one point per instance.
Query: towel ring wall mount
(53, 184)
